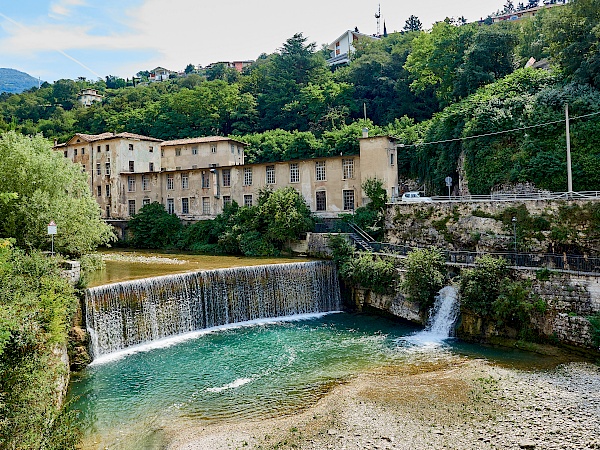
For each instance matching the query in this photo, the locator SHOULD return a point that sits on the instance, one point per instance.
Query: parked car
(415, 197)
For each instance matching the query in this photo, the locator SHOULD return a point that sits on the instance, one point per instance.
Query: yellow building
(195, 178)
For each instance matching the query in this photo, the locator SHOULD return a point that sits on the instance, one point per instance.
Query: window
(83, 151)
(321, 201)
(130, 147)
(270, 174)
(239, 150)
(348, 195)
(248, 176)
(320, 170)
(98, 149)
(132, 166)
(177, 152)
(248, 200)
(194, 150)
(185, 181)
(107, 190)
(131, 183)
(150, 149)
(205, 205)
(131, 207)
(151, 167)
(98, 169)
(107, 148)
(107, 168)
(83, 167)
(226, 200)
(108, 211)
(145, 182)
(391, 159)
(99, 190)
(66, 154)
(185, 206)
(347, 168)
(170, 182)
(213, 148)
(232, 149)
(145, 201)
(205, 179)
(170, 206)
(75, 152)
(162, 153)
(226, 177)
(294, 173)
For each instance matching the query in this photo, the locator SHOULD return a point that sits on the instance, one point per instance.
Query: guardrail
(499, 197)
(563, 263)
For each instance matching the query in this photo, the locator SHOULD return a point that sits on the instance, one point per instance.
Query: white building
(342, 48)
(89, 96)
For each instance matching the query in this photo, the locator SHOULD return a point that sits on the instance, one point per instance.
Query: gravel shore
(449, 403)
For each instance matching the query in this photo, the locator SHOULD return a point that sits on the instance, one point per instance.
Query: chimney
(365, 132)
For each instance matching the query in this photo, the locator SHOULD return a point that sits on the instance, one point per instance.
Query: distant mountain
(13, 81)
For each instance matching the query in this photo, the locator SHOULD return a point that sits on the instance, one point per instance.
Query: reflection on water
(259, 370)
(130, 265)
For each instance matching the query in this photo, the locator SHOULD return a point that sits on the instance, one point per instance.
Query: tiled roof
(200, 140)
(105, 136)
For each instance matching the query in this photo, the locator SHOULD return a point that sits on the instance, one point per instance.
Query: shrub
(371, 272)
(425, 275)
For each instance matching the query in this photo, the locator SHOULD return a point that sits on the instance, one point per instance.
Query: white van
(415, 197)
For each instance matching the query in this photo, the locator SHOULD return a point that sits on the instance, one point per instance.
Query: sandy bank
(452, 403)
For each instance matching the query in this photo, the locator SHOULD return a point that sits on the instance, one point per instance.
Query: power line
(495, 133)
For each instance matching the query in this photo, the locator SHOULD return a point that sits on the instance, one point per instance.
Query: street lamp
(514, 222)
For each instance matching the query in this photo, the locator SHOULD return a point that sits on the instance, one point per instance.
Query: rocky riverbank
(452, 402)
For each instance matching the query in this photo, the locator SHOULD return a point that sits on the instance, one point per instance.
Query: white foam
(174, 340)
(234, 384)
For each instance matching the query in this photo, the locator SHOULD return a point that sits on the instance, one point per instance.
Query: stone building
(195, 178)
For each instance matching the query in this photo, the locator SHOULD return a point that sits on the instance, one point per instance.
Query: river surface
(259, 370)
(123, 265)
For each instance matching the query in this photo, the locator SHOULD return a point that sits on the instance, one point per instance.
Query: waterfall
(122, 315)
(442, 317)
(444, 313)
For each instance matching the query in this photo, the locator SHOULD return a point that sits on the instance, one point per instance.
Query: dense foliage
(36, 307)
(425, 275)
(45, 187)
(280, 216)
(363, 269)
(488, 291)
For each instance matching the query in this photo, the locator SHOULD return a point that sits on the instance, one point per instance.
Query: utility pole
(569, 172)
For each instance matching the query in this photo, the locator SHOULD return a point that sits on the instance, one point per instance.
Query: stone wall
(474, 226)
(570, 301)
(397, 305)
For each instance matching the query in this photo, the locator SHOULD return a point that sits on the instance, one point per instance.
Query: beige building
(195, 178)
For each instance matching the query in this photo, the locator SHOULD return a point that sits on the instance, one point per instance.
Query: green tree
(574, 39)
(49, 187)
(425, 275)
(189, 68)
(154, 227)
(412, 24)
(480, 287)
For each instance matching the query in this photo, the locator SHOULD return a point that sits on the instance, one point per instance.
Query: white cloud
(62, 8)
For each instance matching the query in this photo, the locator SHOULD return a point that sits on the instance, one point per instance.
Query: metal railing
(502, 197)
(562, 263)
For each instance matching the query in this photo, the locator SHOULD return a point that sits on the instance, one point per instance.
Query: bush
(371, 272)
(480, 287)
(425, 275)
(154, 227)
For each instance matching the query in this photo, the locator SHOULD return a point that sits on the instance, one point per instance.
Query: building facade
(342, 48)
(88, 97)
(195, 178)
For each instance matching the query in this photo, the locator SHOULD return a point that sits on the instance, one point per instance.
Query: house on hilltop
(160, 74)
(88, 97)
(343, 46)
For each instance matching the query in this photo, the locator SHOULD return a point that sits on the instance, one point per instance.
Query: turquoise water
(263, 370)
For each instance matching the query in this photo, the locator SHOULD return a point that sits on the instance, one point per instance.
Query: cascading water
(442, 318)
(131, 313)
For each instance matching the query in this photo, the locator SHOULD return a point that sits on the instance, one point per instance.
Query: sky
(54, 39)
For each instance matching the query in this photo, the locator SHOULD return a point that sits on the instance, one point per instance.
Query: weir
(122, 315)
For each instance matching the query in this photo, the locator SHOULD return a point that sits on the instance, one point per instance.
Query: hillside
(15, 82)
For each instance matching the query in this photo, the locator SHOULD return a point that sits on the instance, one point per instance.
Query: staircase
(361, 238)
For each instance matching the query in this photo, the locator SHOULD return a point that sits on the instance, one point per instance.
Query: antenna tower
(378, 17)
